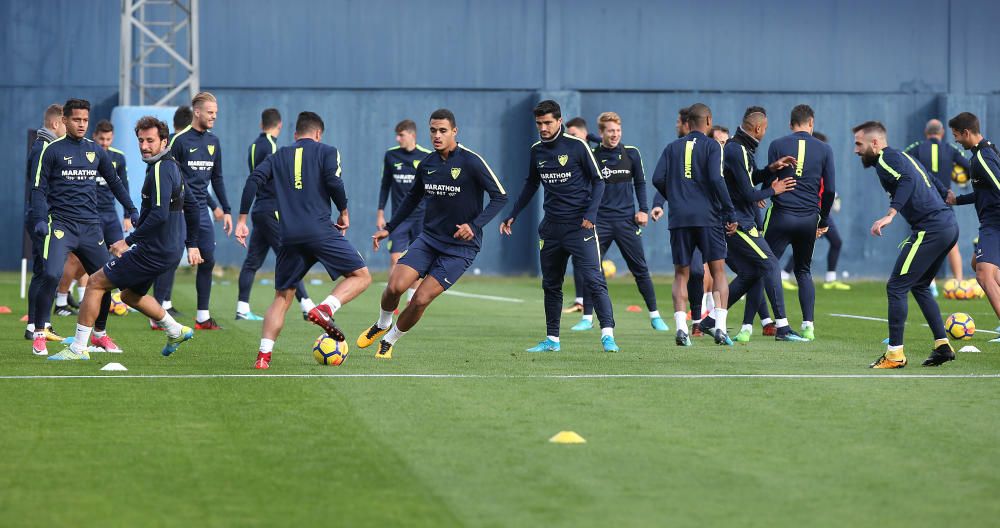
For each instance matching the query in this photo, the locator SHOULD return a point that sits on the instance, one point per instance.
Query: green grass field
(210, 442)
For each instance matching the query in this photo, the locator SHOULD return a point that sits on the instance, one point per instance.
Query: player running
(149, 250)
(306, 177)
(574, 187)
(450, 182)
(64, 211)
(919, 199)
(266, 231)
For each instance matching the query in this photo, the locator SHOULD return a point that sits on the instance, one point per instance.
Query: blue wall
(364, 65)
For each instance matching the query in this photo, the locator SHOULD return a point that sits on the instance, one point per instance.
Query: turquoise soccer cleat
(173, 343)
(67, 354)
(659, 324)
(249, 316)
(608, 342)
(789, 335)
(545, 346)
(584, 324)
(885, 341)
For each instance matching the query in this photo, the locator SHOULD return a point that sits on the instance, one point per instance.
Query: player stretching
(565, 166)
(306, 176)
(64, 211)
(149, 250)
(919, 199)
(700, 215)
(985, 174)
(451, 181)
(265, 234)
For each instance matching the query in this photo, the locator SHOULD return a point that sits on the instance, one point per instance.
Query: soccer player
(199, 155)
(64, 211)
(985, 175)
(617, 218)
(577, 127)
(799, 217)
(919, 199)
(748, 253)
(149, 250)
(450, 182)
(938, 159)
(266, 231)
(574, 187)
(689, 175)
(52, 129)
(164, 284)
(720, 134)
(399, 168)
(307, 177)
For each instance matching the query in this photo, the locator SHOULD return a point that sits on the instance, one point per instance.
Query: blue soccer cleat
(885, 341)
(545, 346)
(787, 334)
(659, 324)
(68, 354)
(584, 324)
(249, 316)
(608, 342)
(173, 343)
(722, 338)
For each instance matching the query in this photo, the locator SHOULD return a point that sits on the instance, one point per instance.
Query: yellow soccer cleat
(52, 336)
(373, 334)
(384, 351)
(836, 285)
(789, 285)
(896, 361)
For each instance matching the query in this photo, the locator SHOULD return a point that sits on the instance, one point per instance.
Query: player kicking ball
(150, 250)
(450, 182)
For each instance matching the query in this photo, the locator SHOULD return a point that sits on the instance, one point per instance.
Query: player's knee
(895, 287)
(130, 297)
(421, 300)
(362, 275)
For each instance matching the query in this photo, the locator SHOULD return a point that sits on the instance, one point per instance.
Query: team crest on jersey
(399, 166)
(211, 150)
(455, 173)
(58, 233)
(416, 163)
(563, 158)
(91, 156)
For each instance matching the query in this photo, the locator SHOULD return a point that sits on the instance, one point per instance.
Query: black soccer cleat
(722, 338)
(682, 338)
(941, 355)
(707, 326)
(64, 311)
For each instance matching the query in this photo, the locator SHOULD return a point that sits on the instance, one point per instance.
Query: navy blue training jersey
(105, 198)
(938, 158)
(166, 205)
(985, 173)
(399, 167)
(917, 197)
(742, 176)
(65, 185)
(307, 177)
(689, 175)
(452, 191)
(199, 156)
(566, 168)
(259, 150)
(624, 182)
(814, 175)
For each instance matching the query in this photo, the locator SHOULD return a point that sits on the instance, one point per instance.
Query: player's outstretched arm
(159, 206)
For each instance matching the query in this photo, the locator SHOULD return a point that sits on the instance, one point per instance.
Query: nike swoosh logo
(588, 239)
(448, 281)
(67, 159)
(192, 150)
(431, 172)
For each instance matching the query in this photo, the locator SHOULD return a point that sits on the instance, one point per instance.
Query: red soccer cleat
(696, 331)
(263, 361)
(104, 342)
(770, 329)
(322, 317)
(153, 326)
(208, 324)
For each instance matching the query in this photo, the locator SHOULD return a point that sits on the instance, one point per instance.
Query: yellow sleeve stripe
(41, 157)
(424, 150)
(488, 169)
(156, 175)
(590, 153)
(274, 146)
(171, 145)
(637, 153)
(253, 154)
(884, 165)
(746, 164)
(919, 169)
(113, 149)
(987, 167)
(339, 170)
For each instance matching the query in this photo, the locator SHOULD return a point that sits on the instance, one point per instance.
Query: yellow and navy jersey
(938, 158)
(257, 152)
(566, 168)
(167, 205)
(306, 177)
(689, 175)
(199, 156)
(65, 184)
(742, 177)
(33, 155)
(624, 182)
(985, 174)
(105, 198)
(813, 171)
(452, 191)
(399, 167)
(917, 197)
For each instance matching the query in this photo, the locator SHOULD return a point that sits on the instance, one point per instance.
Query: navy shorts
(988, 246)
(427, 260)
(334, 252)
(111, 225)
(710, 240)
(136, 270)
(85, 240)
(405, 234)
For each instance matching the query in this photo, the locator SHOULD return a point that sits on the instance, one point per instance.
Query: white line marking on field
(879, 319)
(529, 376)
(484, 297)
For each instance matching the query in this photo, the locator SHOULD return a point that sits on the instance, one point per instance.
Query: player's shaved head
(934, 128)
(753, 117)
(698, 115)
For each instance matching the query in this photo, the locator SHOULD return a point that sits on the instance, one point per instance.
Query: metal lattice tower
(159, 52)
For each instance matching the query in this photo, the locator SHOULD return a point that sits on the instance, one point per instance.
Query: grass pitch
(365, 445)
